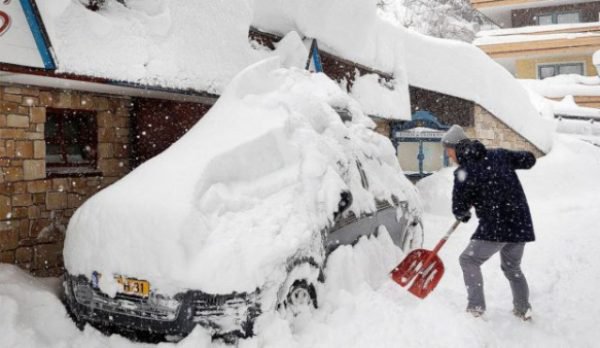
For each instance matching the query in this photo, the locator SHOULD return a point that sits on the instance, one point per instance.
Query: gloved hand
(464, 218)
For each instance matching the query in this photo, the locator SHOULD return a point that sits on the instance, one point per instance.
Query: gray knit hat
(453, 136)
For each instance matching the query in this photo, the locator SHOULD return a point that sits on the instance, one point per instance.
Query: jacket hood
(470, 151)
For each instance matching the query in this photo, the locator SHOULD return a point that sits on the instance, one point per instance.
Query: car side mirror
(343, 205)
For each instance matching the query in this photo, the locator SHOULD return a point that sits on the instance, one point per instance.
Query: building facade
(539, 38)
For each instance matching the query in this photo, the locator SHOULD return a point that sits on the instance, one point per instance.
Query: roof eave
(48, 78)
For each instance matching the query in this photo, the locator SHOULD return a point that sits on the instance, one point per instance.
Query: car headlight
(162, 301)
(83, 292)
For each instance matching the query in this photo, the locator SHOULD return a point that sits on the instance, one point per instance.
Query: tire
(301, 298)
(297, 296)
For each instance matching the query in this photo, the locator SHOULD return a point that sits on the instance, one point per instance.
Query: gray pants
(479, 251)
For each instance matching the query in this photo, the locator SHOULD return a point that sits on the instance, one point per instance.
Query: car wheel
(413, 238)
(297, 296)
(301, 299)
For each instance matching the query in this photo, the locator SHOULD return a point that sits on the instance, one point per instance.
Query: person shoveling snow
(486, 179)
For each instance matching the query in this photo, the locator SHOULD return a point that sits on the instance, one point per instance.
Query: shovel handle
(442, 241)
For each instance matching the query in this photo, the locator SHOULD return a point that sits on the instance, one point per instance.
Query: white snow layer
(567, 106)
(250, 185)
(493, 40)
(360, 307)
(353, 30)
(203, 44)
(563, 85)
(381, 98)
(566, 87)
(596, 58)
(177, 44)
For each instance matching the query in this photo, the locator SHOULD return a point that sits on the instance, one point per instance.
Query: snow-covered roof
(568, 107)
(563, 85)
(202, 45)
(352, 29)
(198, 45)
(501, 39)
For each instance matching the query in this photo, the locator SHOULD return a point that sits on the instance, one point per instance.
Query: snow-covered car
(238, 217)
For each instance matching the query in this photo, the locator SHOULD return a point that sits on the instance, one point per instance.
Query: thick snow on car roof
(250, 185)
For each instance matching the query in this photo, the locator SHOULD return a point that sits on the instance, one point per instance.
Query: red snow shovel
(422, 268)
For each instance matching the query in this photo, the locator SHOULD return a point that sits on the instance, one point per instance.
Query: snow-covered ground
(360, 307)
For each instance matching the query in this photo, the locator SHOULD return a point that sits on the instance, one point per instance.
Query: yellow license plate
(134, 287)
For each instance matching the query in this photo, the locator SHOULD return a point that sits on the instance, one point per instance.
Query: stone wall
(494, 133)
(35, 207)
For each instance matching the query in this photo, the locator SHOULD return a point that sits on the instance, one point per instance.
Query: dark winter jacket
(486, 180)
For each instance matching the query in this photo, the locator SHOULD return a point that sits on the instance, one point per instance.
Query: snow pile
(434, 191)
(24, 302)
(350, 29)
(33, 316)
(582, 129)
(353, 30)
(198, 44)
(568, 107)
(380, 98)
(550, 109)
(563, 85)
(249, 186)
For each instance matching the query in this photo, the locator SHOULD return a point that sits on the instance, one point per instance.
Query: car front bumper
(224, 315)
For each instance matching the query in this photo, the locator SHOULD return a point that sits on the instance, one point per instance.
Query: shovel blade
(428, 279)
(422, 277)
(406, 270)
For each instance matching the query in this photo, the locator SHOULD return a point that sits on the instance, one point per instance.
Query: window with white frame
(568, 17)
(545, 19)
(549, 70)
(559, 18)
